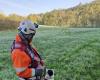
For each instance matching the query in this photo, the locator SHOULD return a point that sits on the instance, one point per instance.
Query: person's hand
(40, 66)
(41, 71)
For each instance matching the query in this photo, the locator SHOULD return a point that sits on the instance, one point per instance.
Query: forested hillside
(80, 16)
(87, 15)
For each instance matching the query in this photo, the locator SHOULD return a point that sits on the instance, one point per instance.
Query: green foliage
(8, 24)
(33, 17)
(15, 17)
(87, 15)
(74, 54)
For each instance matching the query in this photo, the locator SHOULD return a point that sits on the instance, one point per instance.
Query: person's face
(29, 37)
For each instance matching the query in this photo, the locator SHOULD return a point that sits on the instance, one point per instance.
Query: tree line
(87, 15)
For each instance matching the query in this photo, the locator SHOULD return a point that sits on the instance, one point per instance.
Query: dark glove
(38, 72)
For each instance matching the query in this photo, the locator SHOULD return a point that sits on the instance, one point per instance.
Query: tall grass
(74, 54)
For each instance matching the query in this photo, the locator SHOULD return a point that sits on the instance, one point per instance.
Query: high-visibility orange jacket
(21, 62)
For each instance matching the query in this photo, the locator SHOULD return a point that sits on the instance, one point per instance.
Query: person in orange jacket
(27, 63)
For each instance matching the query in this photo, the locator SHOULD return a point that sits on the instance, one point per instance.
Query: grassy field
(74, 54)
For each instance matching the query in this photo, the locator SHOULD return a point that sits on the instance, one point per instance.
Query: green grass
(74, 54)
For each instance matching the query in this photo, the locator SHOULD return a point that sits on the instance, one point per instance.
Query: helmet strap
(23, 38)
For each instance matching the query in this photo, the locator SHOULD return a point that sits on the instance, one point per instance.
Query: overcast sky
(25, 7)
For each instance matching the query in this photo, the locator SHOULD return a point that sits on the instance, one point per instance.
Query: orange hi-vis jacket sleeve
(21, 61)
